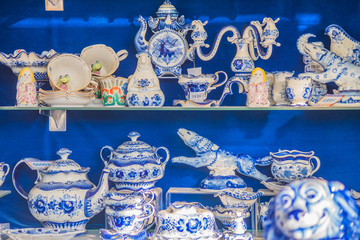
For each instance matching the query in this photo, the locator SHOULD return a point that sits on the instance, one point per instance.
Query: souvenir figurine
(343, 73)
(343, 45)
(257, 95)
(63, 82)
(26, 88)
(311, 209)
(221, 163)
(144, 86)
(95, 67)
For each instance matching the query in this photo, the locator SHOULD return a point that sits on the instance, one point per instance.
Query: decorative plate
(168, 51)
(41, 234)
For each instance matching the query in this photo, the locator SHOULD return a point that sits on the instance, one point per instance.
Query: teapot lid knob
(134, 136)
(64, 153)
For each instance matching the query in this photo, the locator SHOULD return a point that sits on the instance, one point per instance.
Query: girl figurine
(257, 95)
(26, 89)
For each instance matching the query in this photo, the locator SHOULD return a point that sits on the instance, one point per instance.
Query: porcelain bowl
(71, 65)
(106, 56)
(136, 176)
(36, 62)
(183, 220)
(41, 234)
(241, 199)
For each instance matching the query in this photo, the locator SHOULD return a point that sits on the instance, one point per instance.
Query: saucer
(273, 185)
(189, 103)
(41, 234)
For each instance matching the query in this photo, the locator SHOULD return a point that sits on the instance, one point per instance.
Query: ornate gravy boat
(288, 165)
(62, 197)
(197, 87)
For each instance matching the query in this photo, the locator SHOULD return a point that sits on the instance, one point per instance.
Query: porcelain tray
(41, 234)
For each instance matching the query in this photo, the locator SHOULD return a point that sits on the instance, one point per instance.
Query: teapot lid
(167, 9)
(64, 164)
(134, 145)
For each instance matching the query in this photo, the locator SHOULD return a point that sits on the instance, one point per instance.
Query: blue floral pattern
(63, 205)
(143, 83)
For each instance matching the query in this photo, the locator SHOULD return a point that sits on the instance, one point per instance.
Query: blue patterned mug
(298, 90)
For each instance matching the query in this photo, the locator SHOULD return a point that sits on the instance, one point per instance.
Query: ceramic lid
(134, 145)
(186, 208)
(165, 9)
(64, 164)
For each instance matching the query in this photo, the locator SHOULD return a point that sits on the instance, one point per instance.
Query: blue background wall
(333, 135)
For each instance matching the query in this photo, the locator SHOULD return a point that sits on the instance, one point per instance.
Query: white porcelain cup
(298, 90)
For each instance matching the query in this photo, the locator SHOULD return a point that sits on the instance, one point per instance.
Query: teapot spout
(94, 198)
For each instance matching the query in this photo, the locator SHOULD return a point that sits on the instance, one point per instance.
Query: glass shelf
(4, 193)
(171, 108)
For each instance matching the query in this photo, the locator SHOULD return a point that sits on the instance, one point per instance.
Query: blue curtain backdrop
(333, 135)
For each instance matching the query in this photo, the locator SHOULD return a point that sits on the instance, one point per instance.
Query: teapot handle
(217, 79)
(122, 54)
(7, 169)
(147, 215)
(167, 154)
(312, 165)
(106, 159)
(144, 193)
(31, 162)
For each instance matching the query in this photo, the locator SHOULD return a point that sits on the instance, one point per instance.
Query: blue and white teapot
(63, 197)
(134, 164)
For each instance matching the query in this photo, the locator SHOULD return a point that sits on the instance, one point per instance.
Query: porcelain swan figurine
(221, 163)
(345, 74)
(343, 44)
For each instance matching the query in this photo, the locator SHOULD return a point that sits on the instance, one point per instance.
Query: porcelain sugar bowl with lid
(63, 197)
(184, 220)
(135, 164)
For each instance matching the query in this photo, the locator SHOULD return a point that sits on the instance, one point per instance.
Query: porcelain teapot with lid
(135, 164)
(63, 197)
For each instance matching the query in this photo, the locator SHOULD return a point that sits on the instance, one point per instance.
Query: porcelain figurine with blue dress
(345, 74)
(63, 197)
(311, 209)
(221, 163)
